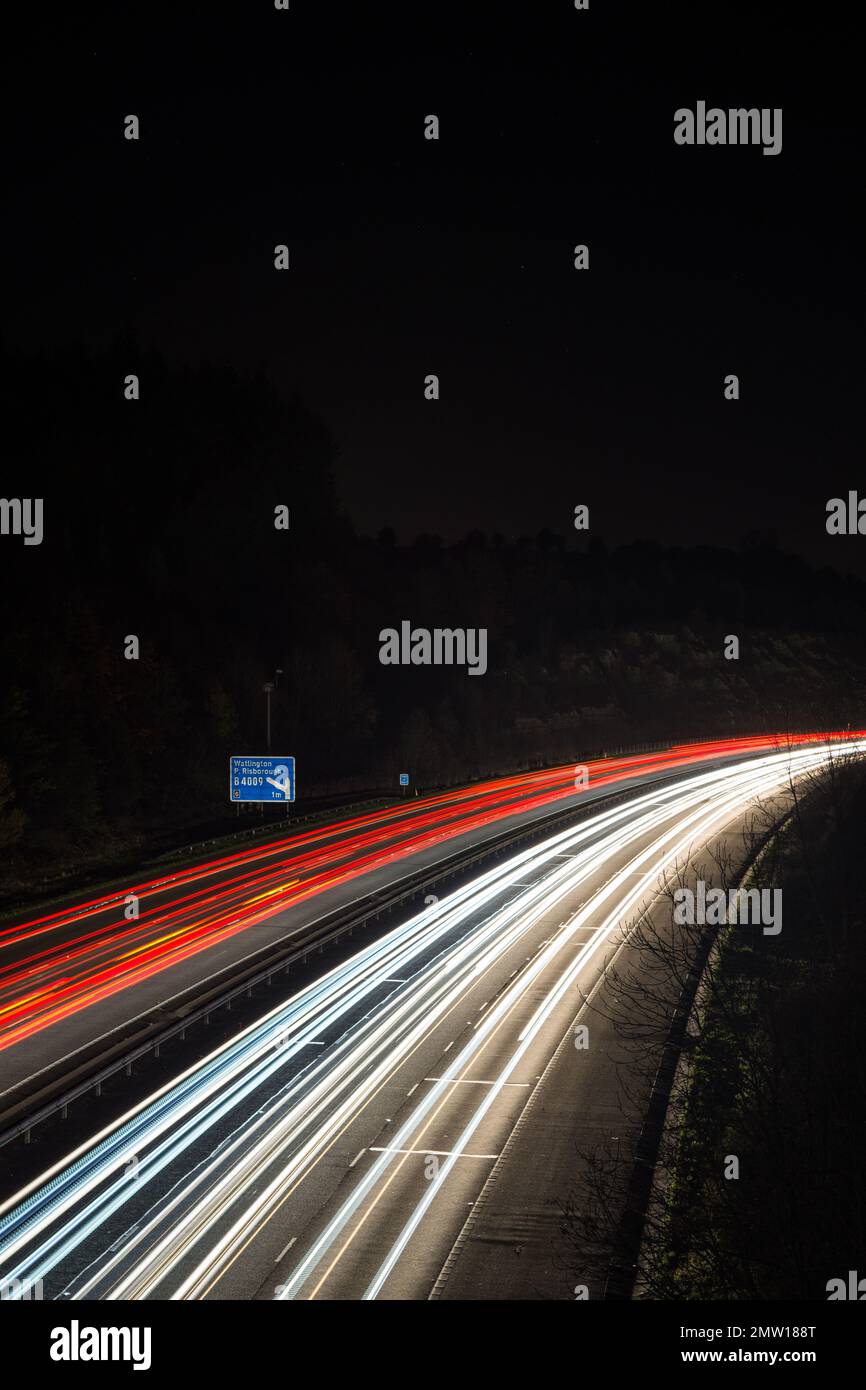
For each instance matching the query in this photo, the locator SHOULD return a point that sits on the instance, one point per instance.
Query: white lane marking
(469, 1081)
(437, 1153)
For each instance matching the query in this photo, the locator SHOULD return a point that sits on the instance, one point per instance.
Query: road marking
(391, 981)
(357, 1156)
(285, 1249)
(470, 1081)
(121, 1239)
(435, 1153)
(414, 1088)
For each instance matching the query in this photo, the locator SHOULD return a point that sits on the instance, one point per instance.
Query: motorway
(334, 1148)
(84, 973)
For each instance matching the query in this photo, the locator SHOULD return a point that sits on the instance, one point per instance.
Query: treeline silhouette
(159, 522)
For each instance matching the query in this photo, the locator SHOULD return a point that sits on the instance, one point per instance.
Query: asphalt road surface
(335, 1148)
(86, 972)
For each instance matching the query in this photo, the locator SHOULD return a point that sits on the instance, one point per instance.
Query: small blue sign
(253, 778)
(404, 779)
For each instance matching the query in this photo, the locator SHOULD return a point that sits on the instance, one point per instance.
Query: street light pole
(268, 687)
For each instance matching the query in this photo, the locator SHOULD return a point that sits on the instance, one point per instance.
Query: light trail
(56, 965)
(165, 1201)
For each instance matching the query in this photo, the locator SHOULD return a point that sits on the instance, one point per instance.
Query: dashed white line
(470, 1081)
(435, 1153)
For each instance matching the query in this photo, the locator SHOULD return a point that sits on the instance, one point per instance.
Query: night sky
(454, 257)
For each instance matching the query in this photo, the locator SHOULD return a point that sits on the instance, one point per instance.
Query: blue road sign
(404, 779)
(253, 778)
